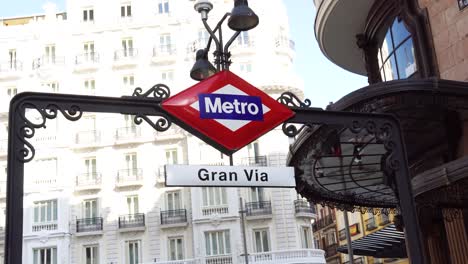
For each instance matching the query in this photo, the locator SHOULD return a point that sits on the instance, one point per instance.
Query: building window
(174, 200)
(396, 54)
(243, 39)
(132, 205)
(131, 162)
(90, 209)
(90, 168)
(214, 196)
(133, 252)
(127, 47)
(171, 156)
(331, 238)
(163, 6)
(462, 4)
(217, 243)
(45, 211)
(128, 82)
(12, 59)
(257, 194)
(51, 87)
(126, 10)
(165, 44)
(88, 15)
(90, 87)
(306, 237)
(45, 255)
(49, 56)
(91, 254)
(245, 67)
(11, 91)
(167, 76)
(176, 248)
(262, 240)
(88, 51)
(203, 37)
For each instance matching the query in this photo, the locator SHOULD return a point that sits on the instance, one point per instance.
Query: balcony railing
(286, 256)
(127, 133)
(44, 226)
(87, 58)
(164, 50)
(128, 176)
(218, 260)
(259, 161)
(88, 137)
(258, 208)
(171, 217)
(132, 220)
(124, 54)
(302, 206)
(48, 61)
(92, 179)
(89, 224)
(324, 222)
(11, 66)
(218, 209)
(331, 250)
(370, 224)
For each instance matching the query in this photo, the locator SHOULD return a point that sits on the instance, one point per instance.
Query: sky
(324, 82)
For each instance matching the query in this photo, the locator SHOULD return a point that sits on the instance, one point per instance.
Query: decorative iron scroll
(158, 91)
(27, 130)
(162, 124)
(290, 99)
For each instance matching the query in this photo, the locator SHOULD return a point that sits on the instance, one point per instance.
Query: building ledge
(132, 229)
(90, 233)
(167, 226)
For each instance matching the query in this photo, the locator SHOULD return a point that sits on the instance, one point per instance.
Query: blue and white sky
(324, 82)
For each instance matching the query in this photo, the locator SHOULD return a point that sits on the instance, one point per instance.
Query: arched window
(396, 53)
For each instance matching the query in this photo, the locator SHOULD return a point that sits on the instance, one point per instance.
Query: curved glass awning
(343, 168)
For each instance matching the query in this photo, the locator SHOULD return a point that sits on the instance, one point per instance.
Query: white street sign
(229, 176)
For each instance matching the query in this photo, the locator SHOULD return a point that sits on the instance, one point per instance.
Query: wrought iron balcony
(304, 208)
(89, 57)
(11, 66)
(258, 209)
(89, 224)
(127, 133)
(87, 181)
(370, 224)
(164, 50)
(331, 250)
(132, 221)
(174, 217)
(88, 137)
(259, 161)
(324, 222)
(45, 61)
(125, 54)
(128, 177)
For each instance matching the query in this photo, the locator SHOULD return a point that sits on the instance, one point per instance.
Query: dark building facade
(415, 54)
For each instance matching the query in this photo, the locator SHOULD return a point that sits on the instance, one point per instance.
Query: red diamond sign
(228, 110)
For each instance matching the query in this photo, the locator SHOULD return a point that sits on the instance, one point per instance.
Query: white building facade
(94, 192)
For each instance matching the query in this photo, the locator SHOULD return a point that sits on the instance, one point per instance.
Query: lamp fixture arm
(226, 48)
(212, 37)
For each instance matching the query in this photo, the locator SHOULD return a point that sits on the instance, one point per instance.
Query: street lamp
(241, 18)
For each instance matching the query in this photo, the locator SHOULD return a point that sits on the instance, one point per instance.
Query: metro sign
(228, 110)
